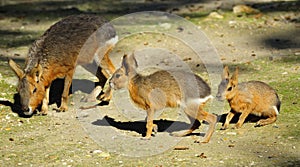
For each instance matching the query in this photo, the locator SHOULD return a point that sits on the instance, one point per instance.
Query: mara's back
(173, 85)
(61, 43)
(260, 92)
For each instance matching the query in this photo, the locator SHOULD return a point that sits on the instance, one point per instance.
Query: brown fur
(55, 54)
(253, 97)
(161, 89)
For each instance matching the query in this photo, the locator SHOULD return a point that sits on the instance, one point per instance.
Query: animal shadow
(140, 126)
(16, 106)
(83, 85)
(55, 95)
(251, 118)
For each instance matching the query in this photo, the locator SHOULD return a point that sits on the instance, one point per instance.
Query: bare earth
(265, 46)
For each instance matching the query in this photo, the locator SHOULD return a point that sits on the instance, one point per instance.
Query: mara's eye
(230, 88)
(118, 75)
(34, 90)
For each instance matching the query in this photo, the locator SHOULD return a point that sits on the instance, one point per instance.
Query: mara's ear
(37, 72)
(225, 74)
(234, 77)
(16, 68)
(129, 64)
(132, 61)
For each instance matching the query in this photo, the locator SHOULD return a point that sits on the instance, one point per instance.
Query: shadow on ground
(140, 126)
(163, 125)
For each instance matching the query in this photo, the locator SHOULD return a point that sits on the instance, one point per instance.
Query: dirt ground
(264, 45)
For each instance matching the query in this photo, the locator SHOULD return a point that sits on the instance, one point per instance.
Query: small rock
(231, 22)
(231, 133)
(165, 25)
(275, 126)
(215, 15)
(96, 151)
(104, 155)
(7, 117)
(180, 29)
(244, 9)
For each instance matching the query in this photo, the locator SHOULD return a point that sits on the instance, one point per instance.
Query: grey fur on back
(65, 39)
(191, 85)
(263, 89)
(175, 84)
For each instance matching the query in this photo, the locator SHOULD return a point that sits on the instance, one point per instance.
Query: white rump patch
(113, 40)
(102, 49)
(196, 101)
(201, 100)
(276, 111)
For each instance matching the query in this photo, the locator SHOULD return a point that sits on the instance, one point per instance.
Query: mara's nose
(27, 111)
(219, 97)
(25, 108)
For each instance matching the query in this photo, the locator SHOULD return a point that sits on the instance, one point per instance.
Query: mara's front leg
(106, 96)
(65, 95)
(228, 119)
(45, 108)
(242, 118)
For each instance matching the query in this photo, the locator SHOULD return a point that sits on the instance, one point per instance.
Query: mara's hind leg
(149, 125)
(272, 117)
(267, 121)
(197, 112)
(194, 126)
(107, 69)
(95, 69)
(211, 119)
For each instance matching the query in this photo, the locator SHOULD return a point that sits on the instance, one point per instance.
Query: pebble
(240, 9)
(165, 25)
(215, 15)
(104, 155)
(231, 133)
(96, 151)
